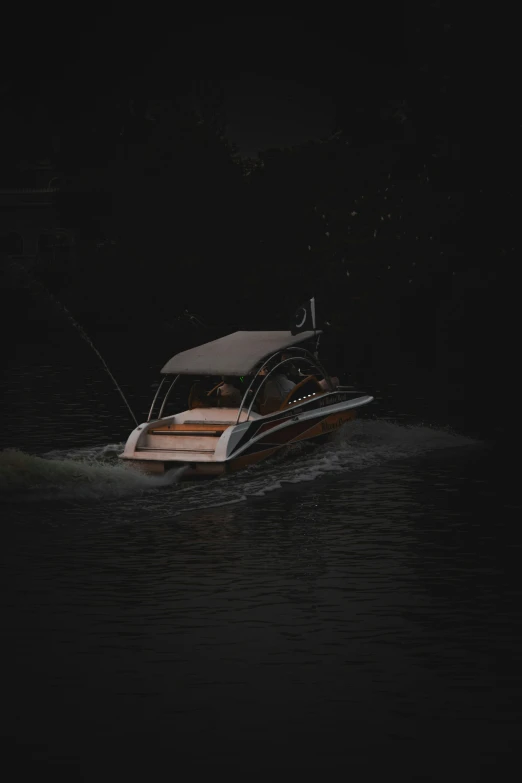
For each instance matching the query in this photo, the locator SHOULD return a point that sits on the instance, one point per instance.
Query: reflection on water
(352, 605)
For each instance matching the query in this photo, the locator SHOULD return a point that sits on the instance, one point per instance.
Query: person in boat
(279, 385)
(228, 394)
(293, 374)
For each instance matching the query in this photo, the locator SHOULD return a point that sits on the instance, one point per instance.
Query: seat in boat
(199, 398)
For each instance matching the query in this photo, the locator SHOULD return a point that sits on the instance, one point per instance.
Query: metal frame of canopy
(296, 352)
(308, 356)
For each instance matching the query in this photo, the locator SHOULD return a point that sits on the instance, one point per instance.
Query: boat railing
(166, 397)
(350, 389)
(149, 417)
(296, 353)
(293, 353)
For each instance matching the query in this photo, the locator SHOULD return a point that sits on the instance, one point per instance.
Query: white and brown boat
(210, 438)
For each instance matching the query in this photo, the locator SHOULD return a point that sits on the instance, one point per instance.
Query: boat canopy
(236, 354)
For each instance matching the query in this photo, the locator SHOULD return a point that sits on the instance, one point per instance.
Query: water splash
(105, 453)
(362, 445)
(82, 476)
(95, 473)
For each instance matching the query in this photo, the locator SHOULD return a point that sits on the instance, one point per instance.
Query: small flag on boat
(304, 318)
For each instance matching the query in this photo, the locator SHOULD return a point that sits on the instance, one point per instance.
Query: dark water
(349, 609)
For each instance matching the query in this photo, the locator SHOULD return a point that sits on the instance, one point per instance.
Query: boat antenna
(81, 330)
(312, 311)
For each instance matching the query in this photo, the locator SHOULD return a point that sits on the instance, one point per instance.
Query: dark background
(234, 165)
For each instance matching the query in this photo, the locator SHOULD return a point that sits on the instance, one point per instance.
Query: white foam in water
(87, 453)
(73, 476)
(363, 444)
(95, 473)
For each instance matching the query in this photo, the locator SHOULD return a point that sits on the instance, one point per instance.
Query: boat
(211, 439)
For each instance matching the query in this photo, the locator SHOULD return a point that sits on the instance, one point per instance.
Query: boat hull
(260, 440)
(316, 430)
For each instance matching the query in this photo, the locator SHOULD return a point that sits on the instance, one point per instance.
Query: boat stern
(196, 439)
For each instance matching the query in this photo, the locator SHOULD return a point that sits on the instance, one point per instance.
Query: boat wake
(364, 444)
(96, 473)
(81, 474)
